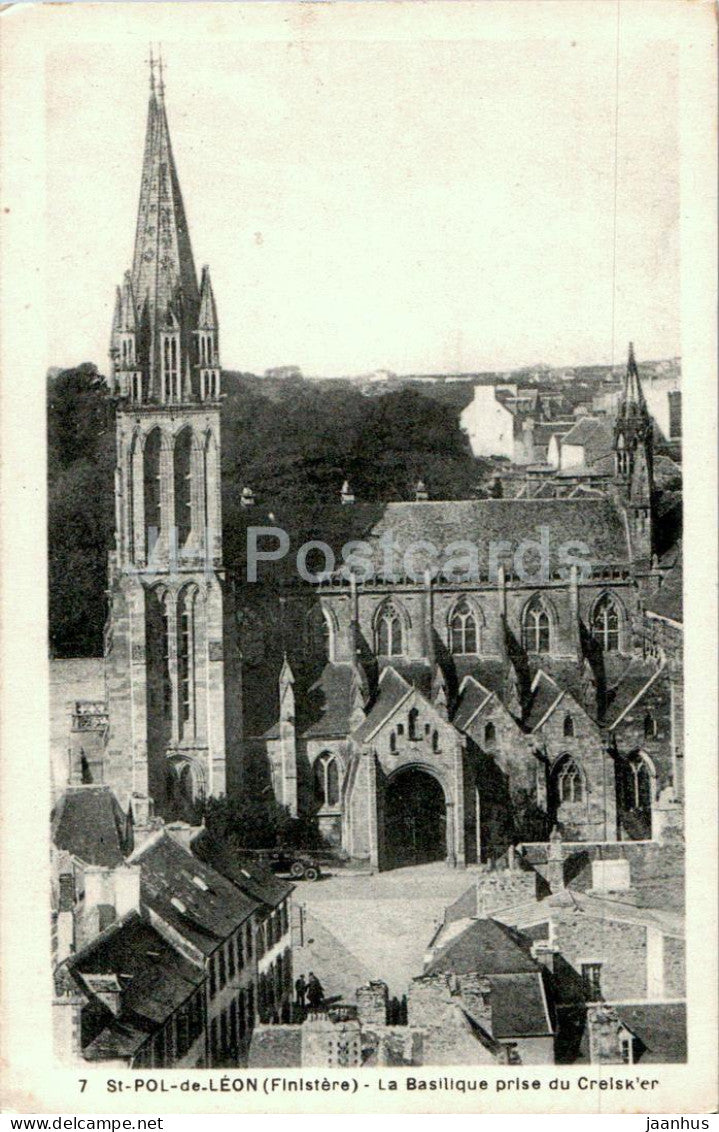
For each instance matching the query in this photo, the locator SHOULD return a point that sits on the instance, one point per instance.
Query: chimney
(372, 999)
(347, 495)
(555, 862)
(127, 889)
(421, 495)
(143, 820)
(476, 993)
(182, 832)
(247, 498)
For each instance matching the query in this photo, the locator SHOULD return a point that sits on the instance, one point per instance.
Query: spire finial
(161, 72)
(152, 71)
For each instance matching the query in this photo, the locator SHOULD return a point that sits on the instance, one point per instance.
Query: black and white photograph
(364, 462)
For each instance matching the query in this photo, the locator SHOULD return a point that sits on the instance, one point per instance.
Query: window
(605, 623)
(222, 977)
(214, 1051)
(592, 978)
(463, 630)
(152, 479)
(393, 743)
(639, 785)
(490, 734)
(240, 956)
(650, 726)
(182, 467)
(412, 724)
(186, 660)
(569, 782)
(327, 780)
(535, 629)
(170, 367)
(626, 1051)
(568, 727)
(435, 741)
(389, 632)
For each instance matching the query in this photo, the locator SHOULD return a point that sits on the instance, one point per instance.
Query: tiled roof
(328, 703)
(596, 522)
(485, 947)
(155, 979)
(275, 1047)
(200, 903)
(88, 823)
(256, 881)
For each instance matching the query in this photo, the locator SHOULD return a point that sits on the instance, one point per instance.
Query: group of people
(309, 993)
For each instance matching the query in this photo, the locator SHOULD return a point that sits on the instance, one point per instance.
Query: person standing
(300, 991)
(315, 993)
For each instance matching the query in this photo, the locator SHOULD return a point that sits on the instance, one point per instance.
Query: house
(131, 998)
(216, 926)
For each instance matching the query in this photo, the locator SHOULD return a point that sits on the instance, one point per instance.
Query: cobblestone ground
(373, 927)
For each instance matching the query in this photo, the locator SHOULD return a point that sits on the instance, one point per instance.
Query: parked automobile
(299, 864)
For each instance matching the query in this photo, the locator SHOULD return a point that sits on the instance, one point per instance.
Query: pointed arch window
(171, 367)
(639, 785)
(536, 635)
(568, 727)
(412, 719)
(159, 684)
(570, 787)
(389, 632)
(605, 623)
(490, 734)
(327, 780)
(186, 660)
(183, 486)
(650, 726)
(152, 488)
(463, 630)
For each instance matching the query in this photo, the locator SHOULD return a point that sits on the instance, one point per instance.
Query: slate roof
(545, 693)
(471, 698)
(88, 823)
(485, 947)
(155, 980)
(668, 600)
(392, 690)
(636, 680)
(586, 430)
(329, 699)
(256, 881)
(519, 1006)
(661, 1028)
(275, 1047)
(596, 522)
(210, 907)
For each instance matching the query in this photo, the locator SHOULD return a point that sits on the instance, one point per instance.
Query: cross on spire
(156, 63)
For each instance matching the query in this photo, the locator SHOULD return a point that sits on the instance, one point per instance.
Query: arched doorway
(415, 819)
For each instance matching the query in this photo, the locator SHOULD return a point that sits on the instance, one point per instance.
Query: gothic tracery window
(570, 787)
(327, 780)
(536, 627)
(463, 630)
(605, 623)
(389, 632)
(183, 486)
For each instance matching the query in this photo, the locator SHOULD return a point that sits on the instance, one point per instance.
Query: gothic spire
(207, 319)
(164, 279)
(632, 402)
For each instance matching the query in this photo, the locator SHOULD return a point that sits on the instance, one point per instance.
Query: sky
(436, 205)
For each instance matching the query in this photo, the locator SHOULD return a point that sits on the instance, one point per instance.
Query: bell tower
(634, 459)
(164, 640)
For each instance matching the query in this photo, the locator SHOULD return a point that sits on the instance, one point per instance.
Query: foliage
(294, 442)
(255, 820)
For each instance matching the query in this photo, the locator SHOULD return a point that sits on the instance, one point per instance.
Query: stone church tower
(634, 460)
(165, 636)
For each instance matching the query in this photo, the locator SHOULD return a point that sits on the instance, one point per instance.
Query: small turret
(634, 460)
(207, 341)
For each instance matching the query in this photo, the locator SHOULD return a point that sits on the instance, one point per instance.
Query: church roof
(545, 696)
(392, 690)
(88, 823)
(667, 602)
(596, 522)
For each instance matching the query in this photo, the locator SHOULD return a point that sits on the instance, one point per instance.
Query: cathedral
(416, 719)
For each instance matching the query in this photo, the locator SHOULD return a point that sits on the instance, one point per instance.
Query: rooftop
(87, 822)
